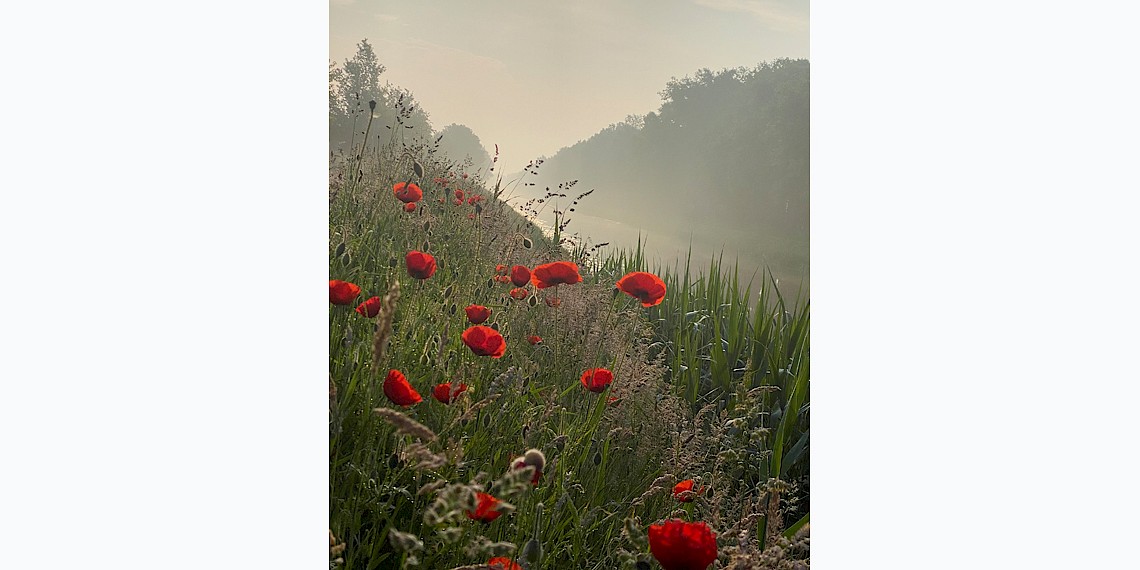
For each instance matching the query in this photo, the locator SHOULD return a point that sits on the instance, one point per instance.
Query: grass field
(705, 388)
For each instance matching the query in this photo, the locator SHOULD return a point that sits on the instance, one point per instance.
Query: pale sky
(536, 76)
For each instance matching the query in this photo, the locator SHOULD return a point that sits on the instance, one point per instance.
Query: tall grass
(703, 355)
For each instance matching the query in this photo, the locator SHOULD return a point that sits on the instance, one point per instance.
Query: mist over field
(722, 166)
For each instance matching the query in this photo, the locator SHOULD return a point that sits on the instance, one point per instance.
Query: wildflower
(486, 510)
(503, 278)
(684, 491)
(477, 314)
(484, 341)
(474, 199)
(532, 458)
(470, 216)
(679, 545)
(458, 194)
(500, 269)
(369, 308)
(519, 293)
(534, 339)
(420, 265)
(408, 193)
(645, 287)
(596, 379)
(520, 275)
(459, 201)
(552, 301)
(559, 272)
(399, 390)
(503, 563)
(342, 292)
(410, 207)
(613, 400)
(446, 393)
(441, 200)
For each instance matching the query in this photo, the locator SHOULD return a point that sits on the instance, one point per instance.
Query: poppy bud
(426, 247)
(339, 249)
(533, 300)
(447, 292)
(490, 283)
(393, 461)
(372, 105)
(346, 260)
(597, 458)
(427, 225)
(454, 308)
(641, 565)
(532, 553)
(418, 169)
(527, 243)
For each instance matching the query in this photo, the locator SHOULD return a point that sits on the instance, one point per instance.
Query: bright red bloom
(534, 339)
(477, 314)
(503, 563)
(459, 201)
(399, 390)
(645, 287)
(596, 379)
(500, 269)
(679, 545)
(420, 265)
(559, 272)
(474, 199)
(552, 301)
(486, 510)
(369, 308)
(342, 292)
(503, 278)
(613, 400)
(459, 194)
(519, 293)
(485, 341)
(684, 491)
(410, 207)
(520, 275)
(408, 193)
(445, 393)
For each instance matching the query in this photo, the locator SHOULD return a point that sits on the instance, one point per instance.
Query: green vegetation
(708, 386)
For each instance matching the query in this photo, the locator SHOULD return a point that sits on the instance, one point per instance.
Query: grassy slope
(604, 460)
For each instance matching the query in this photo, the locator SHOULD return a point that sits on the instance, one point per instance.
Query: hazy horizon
(536, 78)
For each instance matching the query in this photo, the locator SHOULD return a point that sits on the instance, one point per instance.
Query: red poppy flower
(684, 491)
(485, 341)
(369, 308)
(410, 207)
(519, 293)
(596, 379)
(486, 510)
(441, 200)
(503, 563)
(420, 265)
(445, 393)
(679, 545)
(645, 287)
(459, 201)
(459, 194)
(474, 199)
(470, 216)
(438, 180)
(503, 278)
(477, 314)
(521, 463)
(613, 400)
(500, 269)
(534, 339)
(559, 272)
(399, 390)
(408, 193)
(552, 301)
(342, 292)
(520, 275)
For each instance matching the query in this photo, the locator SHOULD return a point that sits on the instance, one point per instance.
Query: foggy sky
(535, 76)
